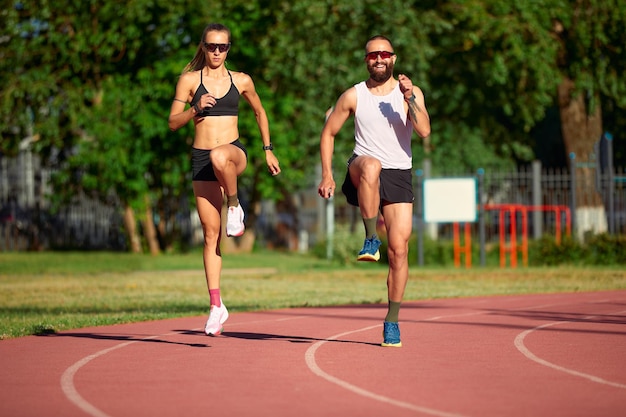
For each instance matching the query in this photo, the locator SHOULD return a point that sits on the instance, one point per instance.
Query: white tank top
(382, 128)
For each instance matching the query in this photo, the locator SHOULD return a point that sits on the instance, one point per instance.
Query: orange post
(513, 237)
(524, 212)
(466, 248)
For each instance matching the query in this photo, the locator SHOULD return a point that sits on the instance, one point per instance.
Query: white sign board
(450, 200)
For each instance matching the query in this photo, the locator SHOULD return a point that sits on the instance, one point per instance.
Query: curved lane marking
(67, 378)
(70, 391)
(68, 387)
(312, 364)
(519, 344)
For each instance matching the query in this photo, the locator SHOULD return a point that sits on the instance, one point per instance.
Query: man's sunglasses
(211, 47)
(383, 55)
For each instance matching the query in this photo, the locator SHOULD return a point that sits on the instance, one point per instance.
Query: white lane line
(67, 378)
(68, 387)
(312, 364)
(519, 344)
(476, 313)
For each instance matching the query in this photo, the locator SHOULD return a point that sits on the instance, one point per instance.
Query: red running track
(540, 355)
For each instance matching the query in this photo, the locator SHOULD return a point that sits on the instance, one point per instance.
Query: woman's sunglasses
(211, 47)
(383, 55)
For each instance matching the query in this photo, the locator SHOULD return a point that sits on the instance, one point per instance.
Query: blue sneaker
(370, 252)
(391, 335)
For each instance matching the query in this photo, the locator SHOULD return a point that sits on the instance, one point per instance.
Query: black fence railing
(534, 201)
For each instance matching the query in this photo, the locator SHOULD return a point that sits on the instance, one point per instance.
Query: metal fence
(529, 200)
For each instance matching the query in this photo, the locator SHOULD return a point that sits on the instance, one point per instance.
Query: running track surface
(540, 355)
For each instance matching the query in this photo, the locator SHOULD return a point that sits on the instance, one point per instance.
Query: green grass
(49, 292)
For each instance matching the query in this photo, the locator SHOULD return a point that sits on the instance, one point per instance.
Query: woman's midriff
(214, 131)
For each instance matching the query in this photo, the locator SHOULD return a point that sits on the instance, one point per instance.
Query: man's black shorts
(396, 186)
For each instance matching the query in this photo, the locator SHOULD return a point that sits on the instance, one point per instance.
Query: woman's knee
(219, 159)
(227, 155)
(211, 234)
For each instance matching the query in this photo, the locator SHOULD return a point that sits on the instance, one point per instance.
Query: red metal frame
(511, 248)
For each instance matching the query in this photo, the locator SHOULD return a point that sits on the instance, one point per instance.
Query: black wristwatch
(270, 147)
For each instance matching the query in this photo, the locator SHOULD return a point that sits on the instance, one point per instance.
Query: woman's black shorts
(201, 162)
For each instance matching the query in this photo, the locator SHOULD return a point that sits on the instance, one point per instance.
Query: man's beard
(378, 76)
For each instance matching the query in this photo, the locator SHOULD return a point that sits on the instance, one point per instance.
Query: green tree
(592, 62)
(92, 81)
(492, 85)
(325, 55)
(504, 65)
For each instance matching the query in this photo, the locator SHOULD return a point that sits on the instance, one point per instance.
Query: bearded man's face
(380, 70)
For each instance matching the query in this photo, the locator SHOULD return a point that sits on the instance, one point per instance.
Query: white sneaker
(217, 317)
(234, 221)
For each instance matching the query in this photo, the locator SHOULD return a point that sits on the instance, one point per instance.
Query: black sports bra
(225, 106)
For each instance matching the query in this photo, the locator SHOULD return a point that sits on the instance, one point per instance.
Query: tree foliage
(92, 82)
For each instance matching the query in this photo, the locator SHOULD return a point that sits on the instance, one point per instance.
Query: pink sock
(215, 297)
